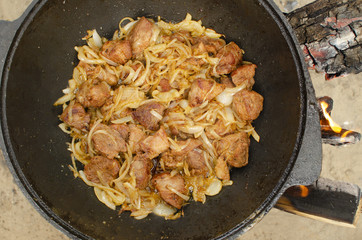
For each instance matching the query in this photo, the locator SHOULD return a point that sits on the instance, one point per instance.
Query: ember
(298, 191)
(332, 133)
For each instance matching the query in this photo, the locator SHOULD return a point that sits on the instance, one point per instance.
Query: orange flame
(335, 127)
(304, 191)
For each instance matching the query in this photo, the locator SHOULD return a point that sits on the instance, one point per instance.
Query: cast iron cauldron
(41, 59)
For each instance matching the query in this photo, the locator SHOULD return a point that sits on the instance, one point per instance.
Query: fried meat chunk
(230, 55)
(163, 182)
(141, 169)
(136, 136)
(196, 162)
(222, 169)
(75, 115)
(140, 35)
(174, 158)
(93, 94)
(247, 104)
(234, 149)
(118, 51)
(143, 115)
(219, 128)
(102, 170)
(207, 44)
(227, 82)
(108, 141)
(123, 129)
(156, 144)
(244, 74)
(203, 90)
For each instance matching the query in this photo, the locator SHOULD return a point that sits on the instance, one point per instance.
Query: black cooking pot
(41, 59)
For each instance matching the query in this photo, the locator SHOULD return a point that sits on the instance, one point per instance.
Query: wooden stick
(329, 201)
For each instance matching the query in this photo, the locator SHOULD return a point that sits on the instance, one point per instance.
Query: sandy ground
(19, 220)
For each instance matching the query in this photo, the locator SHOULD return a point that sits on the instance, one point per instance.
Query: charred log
(326, 200)
(341, 138)
(329, 32)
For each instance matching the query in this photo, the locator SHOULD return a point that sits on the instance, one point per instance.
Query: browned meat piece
(244, 74)
(164, 181)
(156, 144)
(123, 129)
(165, 85)
(117, 51)
(107, 106)
(125, 113)
(174, 130)
(210, 45)
(99, 72)
(230, 55)
(141, 169)
(226, 81)
(101, 167)
(219, 128)
(108, 141)
(140, 35)
(116, 115)
(93, 94)
(196, 161)
(74, 115)
(188, 145)
(222, 170)
(173, 159)
(199, 48)
(203, 90)
(88, 68)
(136, 136)
(247, 104)
(181, 36)
(191, 63)
(105, 74)
(144, 116)
(234, 149)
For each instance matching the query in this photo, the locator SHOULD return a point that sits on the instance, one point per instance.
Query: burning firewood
(332, 133)
(326, 200)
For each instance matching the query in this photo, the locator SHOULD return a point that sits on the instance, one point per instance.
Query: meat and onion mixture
(159, 114)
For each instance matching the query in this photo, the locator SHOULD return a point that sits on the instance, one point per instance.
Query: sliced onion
(129, 25)
(155, 32)
(183, 196)
(66, 90)
(110, 62)
(102, 196)
(229, 114)
(123, 120)
(255, 135)
(64, 128)
(214, 187)
(97, 39)
(191, 129)
(226, 97)
(156, 114)
(164, 210)
(184, 104)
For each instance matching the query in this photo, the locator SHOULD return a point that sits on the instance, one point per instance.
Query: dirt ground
(19, 220)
